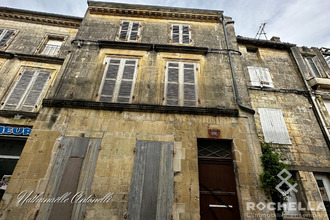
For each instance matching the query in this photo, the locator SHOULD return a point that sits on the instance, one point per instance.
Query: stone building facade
(142, 112)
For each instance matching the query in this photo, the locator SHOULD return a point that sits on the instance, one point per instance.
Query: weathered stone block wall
(119, 132)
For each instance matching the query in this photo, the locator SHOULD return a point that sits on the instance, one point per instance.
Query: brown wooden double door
(218, 195)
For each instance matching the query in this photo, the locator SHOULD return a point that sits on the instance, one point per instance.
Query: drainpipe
(244, 108)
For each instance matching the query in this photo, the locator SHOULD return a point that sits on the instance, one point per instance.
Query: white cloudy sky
(303, 22)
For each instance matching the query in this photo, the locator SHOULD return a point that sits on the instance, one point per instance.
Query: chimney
(276, 39)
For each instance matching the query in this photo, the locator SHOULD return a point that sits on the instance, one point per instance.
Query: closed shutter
(124, 30)
(172, 92)
(27, 91)
(273, 126)
(151, 190)
(33, 96)
(134, 31)
(175, 34)
(5, 36)
(185, 35)
(119, 80)
(264, 77)
(189, 85)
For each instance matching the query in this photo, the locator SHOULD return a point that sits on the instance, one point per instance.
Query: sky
(301, 22)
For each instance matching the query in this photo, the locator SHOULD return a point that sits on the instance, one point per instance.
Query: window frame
(181, 26)
(51, 37)
(274, 117)
(6, 44)
(118, 78)
(181, 83)
(255, 77)
(28, 89)
(311, 60)
(129, 31)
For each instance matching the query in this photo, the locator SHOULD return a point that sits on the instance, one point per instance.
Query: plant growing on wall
(273, 165)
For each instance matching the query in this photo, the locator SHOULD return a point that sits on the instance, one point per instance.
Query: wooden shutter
(151, 191)
(253, 76)
(33, 95)
(172, 84)
(134, 31)
(189, 84)
(119, 80)
(185, 34)
(126, 89)
(124, 30)
(175, 34)
(5, 36)
(273, 126)
(264, 77)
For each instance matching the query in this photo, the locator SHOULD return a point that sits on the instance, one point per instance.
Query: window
(327, 58)
(260, 77)
(119, 80)
(323, 184)
(181, 34)
(181, 84)
(312, 67)
(52, 47)
(5, 35)
(28, 90)
(327, 105)
(273, 126)
(129, 31)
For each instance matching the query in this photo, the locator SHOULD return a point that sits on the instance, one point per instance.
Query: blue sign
(15, 131)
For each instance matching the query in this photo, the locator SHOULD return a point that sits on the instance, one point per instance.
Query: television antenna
(261, 31)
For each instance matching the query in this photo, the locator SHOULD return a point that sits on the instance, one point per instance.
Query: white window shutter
(119, 80)
(264, 76)
(189, 85)
(175, 34)
(33, 95)
(273, 126)
(124, 30)
(5, 35)
(172, 83)
(312, 67)
(254, 76)
(185, 34)
(134, 33)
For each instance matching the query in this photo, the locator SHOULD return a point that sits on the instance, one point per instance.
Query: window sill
(11, 113)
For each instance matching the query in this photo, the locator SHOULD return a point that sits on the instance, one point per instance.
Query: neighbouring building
(147, 112)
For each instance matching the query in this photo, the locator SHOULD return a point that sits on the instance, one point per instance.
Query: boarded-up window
(27, 91)
(181, 34)
(129, 31)
(5, 35)
(273, 126)
(151, 191)
(52, 47)
(119, 80)
(260, 77)
(72, 172)
(312, 67)
(181, 84)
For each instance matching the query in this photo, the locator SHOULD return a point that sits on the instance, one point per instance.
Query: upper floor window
(313, 67)
(181, 84)
(27, 92)
(5, 36)
(181, 34)
(118, 80)
(273, 126)
(260, 77)
(327, 59)
(52, 47)
(129, 31)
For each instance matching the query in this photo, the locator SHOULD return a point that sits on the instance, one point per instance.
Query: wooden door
(217, 185)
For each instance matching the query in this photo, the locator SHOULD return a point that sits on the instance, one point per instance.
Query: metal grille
(214, 148)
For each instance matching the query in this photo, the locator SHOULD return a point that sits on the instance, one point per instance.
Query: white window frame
(260, 77)
(28, 89)
(181, 34)
(273, 126)
(3, 34)
(181, 82)
(52, 47)
(326, 103)
(119, 77)
(129, 31)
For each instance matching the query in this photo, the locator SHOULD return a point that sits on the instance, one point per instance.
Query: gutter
(238, 101)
